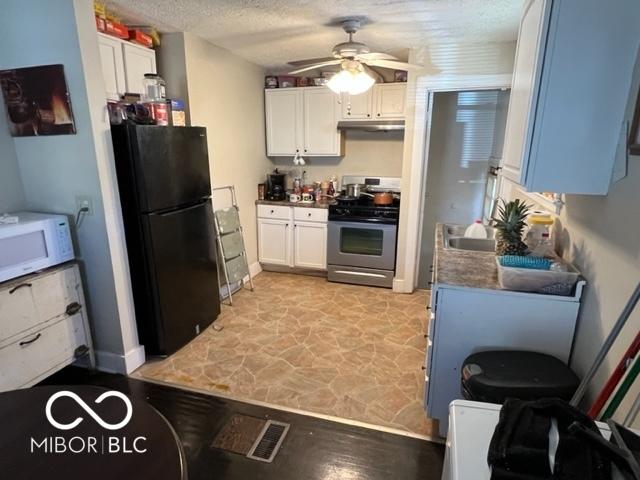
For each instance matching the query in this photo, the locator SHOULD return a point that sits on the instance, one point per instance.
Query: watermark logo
(89, 410)
(92, 444)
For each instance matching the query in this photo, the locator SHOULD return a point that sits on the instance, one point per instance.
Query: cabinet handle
(18, 287)
(426, 336)
(349, 113)
(423, 367)
(428, 307)
(308, 214)
(73, 308)
(297, 150)
(272, 211)
(378, 114)
(305, 150)
(368, 115)
(29, 342)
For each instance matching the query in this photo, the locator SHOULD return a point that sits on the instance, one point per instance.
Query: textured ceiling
(272, 32)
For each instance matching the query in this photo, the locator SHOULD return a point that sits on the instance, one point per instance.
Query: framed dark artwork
(634, 134)
(37, 101)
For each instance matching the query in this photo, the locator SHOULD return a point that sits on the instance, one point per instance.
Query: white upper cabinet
(124, 65)
(112, 62)
(382, 101)
(302, 120)
(571, 84)
(283, 112)
(321, 112)
(389, 100)
(357, 107)
(138, 61)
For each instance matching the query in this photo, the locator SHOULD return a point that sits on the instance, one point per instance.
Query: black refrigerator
(165, 192)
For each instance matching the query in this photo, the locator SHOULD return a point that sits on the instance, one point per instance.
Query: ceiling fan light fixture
(353, 81)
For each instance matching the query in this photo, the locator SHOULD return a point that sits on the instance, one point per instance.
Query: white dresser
(43, 326)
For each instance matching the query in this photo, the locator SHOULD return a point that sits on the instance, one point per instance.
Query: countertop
(285, 203)
(464, 268)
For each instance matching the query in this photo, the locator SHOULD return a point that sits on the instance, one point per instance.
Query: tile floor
(299, 341)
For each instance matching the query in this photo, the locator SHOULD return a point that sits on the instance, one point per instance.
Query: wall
(366, 153)
(225, 95)
(599, 235)
(55, 169)
(446, 67)
(11, 191)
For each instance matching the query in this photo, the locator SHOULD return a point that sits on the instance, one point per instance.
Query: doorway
(467, 136)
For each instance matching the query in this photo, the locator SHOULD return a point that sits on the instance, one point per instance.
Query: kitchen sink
(454, 239)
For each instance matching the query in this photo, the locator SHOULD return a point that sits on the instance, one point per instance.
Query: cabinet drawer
(29, 358)
(274, 211)
(310, 214)
(36, 300)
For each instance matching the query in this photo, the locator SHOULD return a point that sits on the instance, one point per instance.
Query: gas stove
(361, 238)
(365, 211)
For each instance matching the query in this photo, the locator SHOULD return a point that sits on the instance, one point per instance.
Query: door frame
(413, 204)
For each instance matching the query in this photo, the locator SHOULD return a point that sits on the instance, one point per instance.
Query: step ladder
(232, 253)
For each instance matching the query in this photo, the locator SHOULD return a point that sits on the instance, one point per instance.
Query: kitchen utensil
(354, 189)
(380, 198)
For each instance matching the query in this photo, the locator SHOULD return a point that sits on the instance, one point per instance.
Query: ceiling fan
(353, 56)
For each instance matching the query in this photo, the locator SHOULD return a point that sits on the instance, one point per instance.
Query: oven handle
(360, 274)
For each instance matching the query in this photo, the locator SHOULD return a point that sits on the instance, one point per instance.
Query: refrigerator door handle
(179, 210)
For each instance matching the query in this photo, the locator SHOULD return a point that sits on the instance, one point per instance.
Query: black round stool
(496, 375)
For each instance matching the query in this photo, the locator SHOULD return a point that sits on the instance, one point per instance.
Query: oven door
(359, 244)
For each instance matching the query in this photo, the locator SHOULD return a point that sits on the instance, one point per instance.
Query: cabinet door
(137, 62)
(524, 88)
(389, 100)
(112, 63)
(310, 245)
(283, 117)
(274, 243)
(357, 107)
(321, 113)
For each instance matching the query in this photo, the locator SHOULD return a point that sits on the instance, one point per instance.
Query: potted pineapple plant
(509, 226)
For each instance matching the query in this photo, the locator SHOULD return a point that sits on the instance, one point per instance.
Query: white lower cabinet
(274, 241)
(310, 245)
(43, 326)
(297, 238)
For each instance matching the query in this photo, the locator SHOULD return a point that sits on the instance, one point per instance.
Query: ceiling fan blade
(376, 56)
(314, 66)
(309, 61)
(393, 64)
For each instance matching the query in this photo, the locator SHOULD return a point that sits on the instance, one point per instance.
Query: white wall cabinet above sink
(571, 83)
(124, 65)
(302, 120)
(383, 101)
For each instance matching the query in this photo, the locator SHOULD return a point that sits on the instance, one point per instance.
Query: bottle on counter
(476, 230)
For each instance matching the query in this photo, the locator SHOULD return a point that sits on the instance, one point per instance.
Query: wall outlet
(84, 201)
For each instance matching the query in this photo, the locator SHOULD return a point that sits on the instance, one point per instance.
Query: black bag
(519, 448)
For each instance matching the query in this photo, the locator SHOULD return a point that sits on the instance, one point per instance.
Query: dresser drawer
(310, 214)
(274, 211)
(32, 357)
(36, 300)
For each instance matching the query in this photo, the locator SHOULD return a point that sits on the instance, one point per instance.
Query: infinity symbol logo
(89, 410)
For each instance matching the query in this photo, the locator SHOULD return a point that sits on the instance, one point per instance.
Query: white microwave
(35, 242)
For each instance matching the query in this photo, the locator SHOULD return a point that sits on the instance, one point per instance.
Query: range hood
(372, 125)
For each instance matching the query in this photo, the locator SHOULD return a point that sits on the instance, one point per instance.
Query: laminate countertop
(285, 203)
(464, 268)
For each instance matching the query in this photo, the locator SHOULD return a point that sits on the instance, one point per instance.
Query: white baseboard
(400, 286)
(115, 363)
(254, 269)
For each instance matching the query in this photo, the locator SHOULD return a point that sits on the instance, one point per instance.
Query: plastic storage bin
(538, 281)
